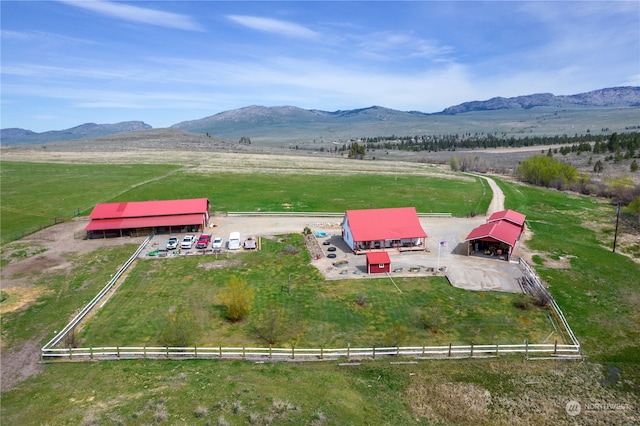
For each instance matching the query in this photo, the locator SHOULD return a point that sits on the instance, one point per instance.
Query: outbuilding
(381, 229)
(497, 237)
(378, 262)
(137, 218)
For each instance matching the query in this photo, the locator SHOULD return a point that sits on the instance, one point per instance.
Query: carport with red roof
(497, 238)
(143, 217)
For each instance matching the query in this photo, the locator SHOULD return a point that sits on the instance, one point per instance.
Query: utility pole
(615, 236)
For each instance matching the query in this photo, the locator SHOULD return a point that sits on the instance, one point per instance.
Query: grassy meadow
(34, 194)
(315, 314)
(596, 289)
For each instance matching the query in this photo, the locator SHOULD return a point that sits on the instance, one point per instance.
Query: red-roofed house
(142, 217)
(497, 237)
(378, 262)
(365, 230)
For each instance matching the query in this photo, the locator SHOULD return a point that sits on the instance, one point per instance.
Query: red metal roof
(149, 208)
(385, 224)
(378, 257)
(510, 215)
(145, 222)
(502, 231)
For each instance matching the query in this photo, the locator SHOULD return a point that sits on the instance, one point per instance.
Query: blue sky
(65, 63)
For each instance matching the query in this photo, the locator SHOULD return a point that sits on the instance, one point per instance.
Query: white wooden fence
(528, 350)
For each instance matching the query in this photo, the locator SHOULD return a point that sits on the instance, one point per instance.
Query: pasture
(572, 250)
(315, 313)
(34, 194)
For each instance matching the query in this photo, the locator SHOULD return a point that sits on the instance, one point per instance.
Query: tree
(597, 168)
(545, 171)
(634, 166)
(455, 166)
(357, 151)
(245, 140)
(271, 325)
(237, 298)
(180, 330)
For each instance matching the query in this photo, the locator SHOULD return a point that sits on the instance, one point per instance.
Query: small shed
(378, 262)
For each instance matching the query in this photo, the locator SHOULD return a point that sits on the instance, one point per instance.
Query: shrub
(180, 330)
(361, 299)
(291, 249)
(237, 298)
(524, 302)
(271, 325)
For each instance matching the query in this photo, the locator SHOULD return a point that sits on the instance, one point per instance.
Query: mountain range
(542, 113)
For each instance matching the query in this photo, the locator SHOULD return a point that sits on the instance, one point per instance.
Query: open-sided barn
(374, 229)
(143, 217)
(497, 237)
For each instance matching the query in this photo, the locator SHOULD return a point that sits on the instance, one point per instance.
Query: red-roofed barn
(497, 237)
(365, 230)
(143, 217)
(509, 216)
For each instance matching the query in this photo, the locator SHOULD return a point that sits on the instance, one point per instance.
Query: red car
(203, 241)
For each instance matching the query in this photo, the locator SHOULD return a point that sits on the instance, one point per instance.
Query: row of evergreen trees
(629, 142)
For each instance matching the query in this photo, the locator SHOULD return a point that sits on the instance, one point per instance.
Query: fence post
(497, 350)
(397, 350)
(449, 349)
(270, 350)
(555, 347)
(220, 351)
(321, 353)
(526, 349)
(348, 351)
(195, 349)
(90, 352)
(471, 350)
(70, 354)
(118, 351)
(423, 349)
(293, 352)
(374, 352)
(167, 349)
(244, 355)
(144, 351)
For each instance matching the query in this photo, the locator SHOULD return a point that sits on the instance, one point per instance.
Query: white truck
(234, 241)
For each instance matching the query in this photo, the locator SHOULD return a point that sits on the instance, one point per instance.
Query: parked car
(250, 244)
(217, 243)
(203, 241)
(234, 241)
(187, 241)
(173, 243)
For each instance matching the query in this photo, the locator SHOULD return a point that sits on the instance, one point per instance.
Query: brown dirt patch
(449, 402)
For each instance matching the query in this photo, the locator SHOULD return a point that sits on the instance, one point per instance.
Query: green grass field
(596, 289)
(34, 194)
(315, 314)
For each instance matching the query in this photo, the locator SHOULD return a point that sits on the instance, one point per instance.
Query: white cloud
(138, 14)
(275, 26)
